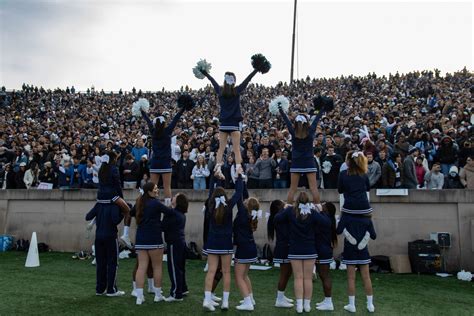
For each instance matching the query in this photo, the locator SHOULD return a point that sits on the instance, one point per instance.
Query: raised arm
(163, 208)
(148, 121)
(175, 121)
(238, 194)
(245, 83)
(287, 122)
(116, 181)
(316, 120)
(214, 83)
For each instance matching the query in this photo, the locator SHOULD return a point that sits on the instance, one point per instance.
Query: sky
(114, 44)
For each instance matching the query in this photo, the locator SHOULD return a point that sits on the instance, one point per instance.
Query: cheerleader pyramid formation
(303, 229)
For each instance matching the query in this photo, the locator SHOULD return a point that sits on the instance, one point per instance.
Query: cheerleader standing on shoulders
(356, 225)
(219, 246)
(173, 224)
(229, 100)
(302, 137)
(326, 240)
(245, 224)
(302, 219)
(149, 242)
(277, 226)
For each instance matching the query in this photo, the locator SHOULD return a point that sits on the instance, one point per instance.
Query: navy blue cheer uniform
(110, 189)
(357, 226)
(149, 231)
(107, 217)
(230, 117)
(246, 250)
(160, 161)
(282, 242)
(302, 244)
(355, 190)
(302, 156)
(173, 227)
(323, 239)
(219, 239)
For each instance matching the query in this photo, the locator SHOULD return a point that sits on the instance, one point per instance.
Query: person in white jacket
(200, 173)
(31, 176)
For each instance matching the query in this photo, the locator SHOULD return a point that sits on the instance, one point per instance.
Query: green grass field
(66, 286)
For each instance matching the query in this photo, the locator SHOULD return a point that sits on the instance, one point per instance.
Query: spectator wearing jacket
(130, 172)
(434, 179)
(452, 181)
(420, 171)
(265, 166)
(200, 173)
(139, 150)
(447, 154)
(330, 167)
(47, 175)
(467, 173)
(392, 172)
(409, 172)
(374, 171)
(184, 170)
(281, 170)
(31, 177)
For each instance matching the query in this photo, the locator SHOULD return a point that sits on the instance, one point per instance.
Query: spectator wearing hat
(374, 171)
(409, 172)
(453, 181)
(467, 173)
(20, 176)
(447, 154)
(434, 179)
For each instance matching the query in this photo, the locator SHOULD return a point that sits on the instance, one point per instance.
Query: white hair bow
(220, 200)
(105, 158)
(256, 214)
(301, 118)
(356, 154)
(141, 191)
(305, 208)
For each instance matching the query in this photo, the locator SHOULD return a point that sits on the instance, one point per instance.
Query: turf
(62, 285)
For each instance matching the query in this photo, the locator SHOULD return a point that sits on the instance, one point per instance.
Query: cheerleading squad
(304, 230)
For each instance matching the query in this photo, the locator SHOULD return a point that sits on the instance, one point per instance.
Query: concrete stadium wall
(58, 218)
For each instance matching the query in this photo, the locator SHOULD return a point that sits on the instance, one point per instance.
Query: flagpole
(293, 43)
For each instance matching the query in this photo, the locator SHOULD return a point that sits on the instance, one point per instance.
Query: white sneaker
(320, 303)
(307, 308)
(100, 294)
(253, 302)
(289, 300)
(134, 293)
(126, 240)
(283, 304)
(225, 306)
(116, 294)
(185, 293)
(299, 309)
(93, 262)
(140, 300)
(158, 298)
(208, 305)
(215, 304)
(371, 308)
(245, 307)
(172, 299)
(325, 307)
(216, 298)
(350, 308)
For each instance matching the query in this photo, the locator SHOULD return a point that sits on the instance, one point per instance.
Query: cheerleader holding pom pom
(229, 101)
(356, 225)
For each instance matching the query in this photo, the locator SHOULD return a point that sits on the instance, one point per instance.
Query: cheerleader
(173, 226)
(219, 246)
(245, 224)
(110, 191)
(302, 157)
(302, 218)
(229, 100)
(107, 216)
(276, 226)
(160, 162)
(149, 242)
(326, 240)
(356, 225)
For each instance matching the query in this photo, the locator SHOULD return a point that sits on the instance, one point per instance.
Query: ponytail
(356, 163)
(253, 205)
(330, 209)
(107, 160)
(275, 207)
(141, 201)
(302, 198)
(219, 211)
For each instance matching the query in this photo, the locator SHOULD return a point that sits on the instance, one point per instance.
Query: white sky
(154, 44)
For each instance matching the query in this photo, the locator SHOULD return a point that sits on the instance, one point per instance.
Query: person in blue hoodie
(173, 227)
(65, 174)
(356, 225)
(219, 247)
(107, 216)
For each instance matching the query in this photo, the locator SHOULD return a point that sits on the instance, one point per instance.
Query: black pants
(176, 262)
(106, 254)
(265, 183)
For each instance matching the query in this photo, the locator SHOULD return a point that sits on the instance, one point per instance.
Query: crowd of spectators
(420, 133)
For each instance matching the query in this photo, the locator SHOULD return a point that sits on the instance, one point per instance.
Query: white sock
(307, 302)
(157, 291)
(328, 300)
(225, 297)
(352, 300)
(299, 303)
(139, 292)
(151, 283)
(370, 299)
(134, 285)
(280, 295)
(248, 300)
(168, 202)
(125, 230)
(207, 296)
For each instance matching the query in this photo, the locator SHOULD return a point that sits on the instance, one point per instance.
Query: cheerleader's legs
(222, 145)
(295, 178)
(241, 277)
(285, 274)
(351, 278)
(166, 177)
(323, 272)
(297, 266)
(125, 209)
(365, 273)
(313, 187)
(235, 136)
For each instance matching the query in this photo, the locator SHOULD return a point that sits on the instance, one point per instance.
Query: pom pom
(322, 103)
(260, 63)
(141, 105)
(201, 66)
(185, 101)
(279, 101)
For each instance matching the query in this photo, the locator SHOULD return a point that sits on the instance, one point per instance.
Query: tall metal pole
(293, 44)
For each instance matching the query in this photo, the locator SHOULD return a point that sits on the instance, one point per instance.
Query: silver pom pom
(201, 66)
(279, 101)
(141, 105)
